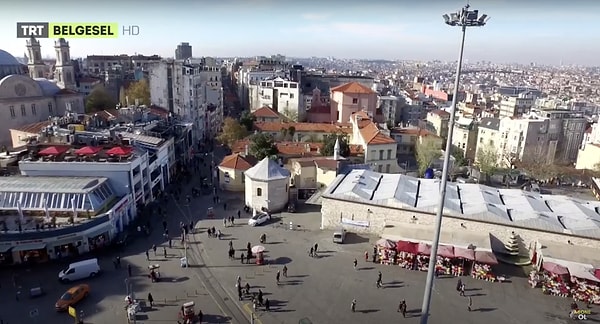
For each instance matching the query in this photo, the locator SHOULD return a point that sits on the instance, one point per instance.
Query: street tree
(487, 161)
(329, 145)
(538, 166)
(263, 145)
(99, 99)
(247, 119)
(427, 151)
(139, 90)
(290, 114)
(459, 156)
(232, 132)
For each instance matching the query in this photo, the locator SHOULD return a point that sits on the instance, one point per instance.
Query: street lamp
(463, 18)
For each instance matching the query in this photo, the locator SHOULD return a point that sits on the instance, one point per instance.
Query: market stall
(423, 255)
(584, 284)
(445, 257)
(553, 278)
(482, 268)
(464, 258)
(386, 251)
(407, 252)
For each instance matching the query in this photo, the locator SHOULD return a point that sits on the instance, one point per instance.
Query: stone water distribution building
(402, 207)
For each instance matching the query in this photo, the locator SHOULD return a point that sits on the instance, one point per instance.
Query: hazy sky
(542, 31)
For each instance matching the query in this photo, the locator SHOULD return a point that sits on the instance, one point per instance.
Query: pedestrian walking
(311, 252)
(402, 308)
(224, 222)
(267, 305)
(462, 290)
(366, 256)
(355, 263)
(232, 220)
(240, 297)
(154, 249)
(191, 226)
(150, 300)
(458, 285)
(379, 279)
(242, 257)
(118, 259)
(238, 281)
(277, 276)
(148, 255)
(239, 213)
(470, 304)
(353, 306)
(285, 271)
(129, 270)
(170, 243)
(231, 244)
(316, 247)
(165, 251)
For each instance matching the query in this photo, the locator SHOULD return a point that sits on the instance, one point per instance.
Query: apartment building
(465, 137)
(351, 98)
(571, 131)
(380, 149)
(516, 106)
(437, 122)
(391, 108)
(488, 135)
(588, 156)
(281, 95)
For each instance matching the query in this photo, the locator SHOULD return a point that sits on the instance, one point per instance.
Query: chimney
(246, 150)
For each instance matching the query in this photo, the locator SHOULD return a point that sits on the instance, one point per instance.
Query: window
(293, 85)
(387, 168)
(381, 154)
(33, 110)
(354, 101)
(259, 192)
(243, 178)
(23, 112)
(291, 96)
(389, 154)
(379, 168)
(12, 111)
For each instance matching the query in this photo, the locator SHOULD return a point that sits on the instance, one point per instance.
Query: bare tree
(487, 161)
(428, 150)
(538, 165)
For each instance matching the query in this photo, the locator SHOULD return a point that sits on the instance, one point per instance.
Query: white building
(267, 186)
(379, 148)
(283, 96)
(249, 83)
(516, 106)
(191, 91)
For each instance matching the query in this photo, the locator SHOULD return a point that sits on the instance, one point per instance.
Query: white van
(339, 236)
(80, 270)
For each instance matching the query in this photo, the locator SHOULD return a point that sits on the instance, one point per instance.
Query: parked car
(72, 296)
(80, 270)
(258, 219)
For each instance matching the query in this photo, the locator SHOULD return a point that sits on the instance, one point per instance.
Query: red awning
(88, 150)
(463, 253)
(409, 247)
(446, 251)
(597, 273)
(54, 150)
(554, 268)
(485, 257)
(119, 150)
(424, 249)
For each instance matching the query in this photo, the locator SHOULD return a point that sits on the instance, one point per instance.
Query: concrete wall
(274, 194)
(235, 179)
(333, 210)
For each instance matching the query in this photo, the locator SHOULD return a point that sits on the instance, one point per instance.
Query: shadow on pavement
(353, 238)
(367, 311)
(291, 283)
(281, 260)
(485, 309)
(366, 268)
(215, 318)
(298, 276)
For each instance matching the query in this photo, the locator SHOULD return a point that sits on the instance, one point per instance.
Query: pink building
(350, 98)
(320, 109)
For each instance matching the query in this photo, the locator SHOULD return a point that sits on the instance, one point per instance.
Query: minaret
(336, 149)
(35, 65)
(64, 72)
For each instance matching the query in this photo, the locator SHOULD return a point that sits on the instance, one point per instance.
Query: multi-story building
(281, 95)
(465, 137)
(391, 108)
(571, 128)
(437, 122)
(192, 91)
(250, 74)
(183, 51)
(96, 65)
(408, 137)
(380, 149)
(488, 135)
(351, 98)
(588, 156)
(516, 106)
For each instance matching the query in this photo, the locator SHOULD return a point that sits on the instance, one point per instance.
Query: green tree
(283, 133)
(427, 151)
(291, 131)
(262, 145)
(232, 132)
(329, 145)
(290, 114)
(138, 90)
(99, 99)
(459, 156)
(487, 161)
(247, 120)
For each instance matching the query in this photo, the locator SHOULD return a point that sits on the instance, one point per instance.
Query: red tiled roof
(412, 131)
(238, 162)
(303, 127)
(373, 136)
(34, 128)
(159, 111)
(107, 114)
(266, 112)
(441, 113)
(353, 87)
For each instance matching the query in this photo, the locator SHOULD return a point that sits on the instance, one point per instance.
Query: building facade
(350, 98)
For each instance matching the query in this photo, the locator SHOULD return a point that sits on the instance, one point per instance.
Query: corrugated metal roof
(144, 139)
(551, 213)
(50, 184)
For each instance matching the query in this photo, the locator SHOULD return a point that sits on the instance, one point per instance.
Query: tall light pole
(463, 18)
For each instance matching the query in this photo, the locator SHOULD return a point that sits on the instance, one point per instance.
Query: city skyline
(518, 31)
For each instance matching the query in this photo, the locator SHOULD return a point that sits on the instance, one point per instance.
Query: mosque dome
(7, 59)
(9, 65)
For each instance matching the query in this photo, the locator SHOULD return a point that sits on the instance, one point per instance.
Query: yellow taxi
(72, 296)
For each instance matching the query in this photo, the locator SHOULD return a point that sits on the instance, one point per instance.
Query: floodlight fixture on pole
(463, 18)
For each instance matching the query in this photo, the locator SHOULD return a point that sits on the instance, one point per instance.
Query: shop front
(122, 214)
(31, 251)
(68, 245)
(5, 253)
(99, 237)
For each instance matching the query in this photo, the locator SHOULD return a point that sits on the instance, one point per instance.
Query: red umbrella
(88, 150)
(408, 247)
(424, 249)
(554, 268)
(119, 150)
(53, 150)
